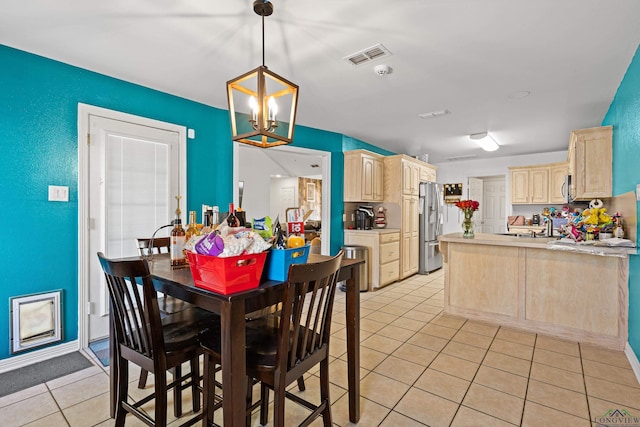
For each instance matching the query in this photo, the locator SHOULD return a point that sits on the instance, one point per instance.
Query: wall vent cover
(369, 54)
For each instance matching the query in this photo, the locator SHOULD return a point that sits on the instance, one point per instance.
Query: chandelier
(262, 105)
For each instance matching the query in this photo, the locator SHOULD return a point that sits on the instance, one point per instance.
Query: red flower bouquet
(468, 207)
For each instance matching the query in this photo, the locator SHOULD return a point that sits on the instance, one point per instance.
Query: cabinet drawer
(389, 252)
(389, 237)
(389, 272)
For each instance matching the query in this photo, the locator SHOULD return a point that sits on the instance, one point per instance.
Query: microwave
(566, 189)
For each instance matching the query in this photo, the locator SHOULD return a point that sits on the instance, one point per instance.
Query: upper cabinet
(403, 174)
(557, 174)
(363, 176)
(590, 163)
(539, 184)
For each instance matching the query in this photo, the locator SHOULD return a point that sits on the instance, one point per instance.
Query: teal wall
(38, 127)
(624, 115)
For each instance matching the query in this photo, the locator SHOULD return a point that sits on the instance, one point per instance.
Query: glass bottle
(177, 240)
(232, 219)
(192, 229)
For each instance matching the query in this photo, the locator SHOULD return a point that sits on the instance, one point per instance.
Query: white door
(475, 193)
(494, 193)
(134, 171)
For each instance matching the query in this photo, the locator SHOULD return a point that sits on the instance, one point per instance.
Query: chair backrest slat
(306, 312)
(134, 303)
(158, 245)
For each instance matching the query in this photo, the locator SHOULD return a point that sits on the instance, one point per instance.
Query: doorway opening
(279, 179)
(490, 191)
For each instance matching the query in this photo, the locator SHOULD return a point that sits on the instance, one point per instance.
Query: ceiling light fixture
(257, 97)
(485, 141)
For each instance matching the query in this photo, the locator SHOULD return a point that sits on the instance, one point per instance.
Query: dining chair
(155, 344)
(147, 247)
(290, 343)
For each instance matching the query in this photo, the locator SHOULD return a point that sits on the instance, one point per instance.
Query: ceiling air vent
(368, 54)
(457, 158)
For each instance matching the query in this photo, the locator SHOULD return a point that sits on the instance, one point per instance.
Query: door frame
(325, 216)
(84, 113)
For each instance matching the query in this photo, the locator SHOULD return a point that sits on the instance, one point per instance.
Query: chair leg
(264, 404)
(142, 382)
(278, 404)
(161, 399)
(122, 391)
(301, 385)
(177, 392)
(324, 393)
(195, 381)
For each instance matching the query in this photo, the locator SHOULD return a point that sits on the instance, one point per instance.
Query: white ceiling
(467, 56)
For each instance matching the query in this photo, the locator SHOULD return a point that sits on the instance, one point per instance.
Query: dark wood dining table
(233, 308)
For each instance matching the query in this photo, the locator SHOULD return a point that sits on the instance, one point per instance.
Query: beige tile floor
(419, 367)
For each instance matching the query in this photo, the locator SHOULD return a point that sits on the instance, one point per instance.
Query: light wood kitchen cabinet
(410, 236)
(529, 185)
(427, 174)
(403, 175)
(363, 176)
(590, 163)
(384, 254)
(538, 184)
(557, 175)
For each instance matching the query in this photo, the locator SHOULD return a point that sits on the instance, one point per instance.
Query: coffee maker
(364, 217)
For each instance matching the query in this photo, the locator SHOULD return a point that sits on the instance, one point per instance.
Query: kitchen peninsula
(523, 283)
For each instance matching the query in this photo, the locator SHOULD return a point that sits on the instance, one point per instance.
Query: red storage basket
(226, 275)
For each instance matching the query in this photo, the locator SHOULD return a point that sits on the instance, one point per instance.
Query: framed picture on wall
(311, 192)
(452, 193)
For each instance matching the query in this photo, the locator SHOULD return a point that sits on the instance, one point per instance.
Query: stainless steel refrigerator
(430, 209)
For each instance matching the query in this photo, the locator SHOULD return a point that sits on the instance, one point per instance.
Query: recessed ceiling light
(519, 94)
(434, 114)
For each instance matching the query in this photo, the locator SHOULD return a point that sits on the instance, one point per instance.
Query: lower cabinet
(383, 264)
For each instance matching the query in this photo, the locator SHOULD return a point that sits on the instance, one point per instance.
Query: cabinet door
(539, 185)
(407, 178)
(367, 178)
(593, 167)
(519, 186)
(409, 235)
(378, 180)
(557, 175)
(427, 174)
(352, 181)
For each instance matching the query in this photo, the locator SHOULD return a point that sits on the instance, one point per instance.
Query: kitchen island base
(521, 283)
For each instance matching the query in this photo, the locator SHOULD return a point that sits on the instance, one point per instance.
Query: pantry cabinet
(363, 176)
(590, 163)
(383, 251)
(403, 175)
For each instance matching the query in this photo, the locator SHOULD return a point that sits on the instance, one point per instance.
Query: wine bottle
(192, 230)
(178, 238)
(232, 219)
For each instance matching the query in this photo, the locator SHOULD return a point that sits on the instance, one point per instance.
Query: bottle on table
(192, 229)
(178, 238)
(232, 219)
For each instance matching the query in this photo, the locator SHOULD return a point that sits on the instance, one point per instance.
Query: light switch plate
(638, 192)
(191, 133)
(58, 193)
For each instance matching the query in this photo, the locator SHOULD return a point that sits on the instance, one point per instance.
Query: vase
(468, 226)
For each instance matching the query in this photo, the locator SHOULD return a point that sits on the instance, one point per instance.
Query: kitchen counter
(522, 283)
(375, 230)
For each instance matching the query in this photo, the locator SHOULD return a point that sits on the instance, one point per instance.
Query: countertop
(375, 230)
(535, 243)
